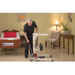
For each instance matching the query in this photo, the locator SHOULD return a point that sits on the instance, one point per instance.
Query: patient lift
(35, 56)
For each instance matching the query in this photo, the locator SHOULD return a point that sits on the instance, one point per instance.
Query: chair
(54, 37)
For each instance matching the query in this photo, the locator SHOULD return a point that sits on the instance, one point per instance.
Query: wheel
(50, 55)
(31, 59)
(32, 55)
(52, 60)
(17, 53)
(41, 47)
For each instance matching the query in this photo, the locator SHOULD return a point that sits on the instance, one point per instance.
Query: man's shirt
(29, 29)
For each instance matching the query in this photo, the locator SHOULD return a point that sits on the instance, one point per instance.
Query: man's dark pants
(27, 45)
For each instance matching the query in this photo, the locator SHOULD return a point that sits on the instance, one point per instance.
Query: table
(22, 39)
(67, 37)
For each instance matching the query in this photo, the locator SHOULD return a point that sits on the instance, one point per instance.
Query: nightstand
(22, 38)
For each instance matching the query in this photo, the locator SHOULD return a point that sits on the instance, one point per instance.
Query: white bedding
(11, 38)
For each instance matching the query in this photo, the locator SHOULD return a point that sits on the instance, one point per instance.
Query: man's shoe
(26, 56)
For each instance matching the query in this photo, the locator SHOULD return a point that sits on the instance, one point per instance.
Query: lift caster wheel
(50, 55)
(17, 53)
(32, 55)
(31, 59)
(52, 60)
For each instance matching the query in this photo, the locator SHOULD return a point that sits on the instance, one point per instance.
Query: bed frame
(15, 42)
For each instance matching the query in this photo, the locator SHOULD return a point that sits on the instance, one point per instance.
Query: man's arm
(37, 30)
(35, 27)
(25, 35)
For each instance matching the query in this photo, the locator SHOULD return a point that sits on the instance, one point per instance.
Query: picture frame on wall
(21, 17)
(69, 17)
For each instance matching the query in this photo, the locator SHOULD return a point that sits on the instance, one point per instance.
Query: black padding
(42, 57)
(36, 43)
(41, 47)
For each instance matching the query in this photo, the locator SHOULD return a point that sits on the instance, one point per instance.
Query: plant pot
(68, 32)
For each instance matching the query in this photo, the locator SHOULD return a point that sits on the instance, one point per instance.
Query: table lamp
(56, 23)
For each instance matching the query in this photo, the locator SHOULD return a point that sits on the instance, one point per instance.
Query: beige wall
(44, 21)
(72, 28)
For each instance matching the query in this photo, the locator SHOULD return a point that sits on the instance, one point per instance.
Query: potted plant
(65, 28)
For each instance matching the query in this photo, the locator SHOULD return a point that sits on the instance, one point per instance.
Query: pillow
(9, 34)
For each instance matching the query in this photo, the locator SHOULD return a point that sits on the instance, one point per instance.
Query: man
(28, 33)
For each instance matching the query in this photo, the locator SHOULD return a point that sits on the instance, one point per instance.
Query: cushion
(9, 34)
(54, 34)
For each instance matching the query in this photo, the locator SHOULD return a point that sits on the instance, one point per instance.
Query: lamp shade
(57, 22)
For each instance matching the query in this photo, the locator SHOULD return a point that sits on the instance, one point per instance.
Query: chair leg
(53, 45)
(46, 44)
(59, 44)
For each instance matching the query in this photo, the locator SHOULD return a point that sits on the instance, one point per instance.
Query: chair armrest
(50, 36)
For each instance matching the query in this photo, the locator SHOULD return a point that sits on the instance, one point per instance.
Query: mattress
(11, 38)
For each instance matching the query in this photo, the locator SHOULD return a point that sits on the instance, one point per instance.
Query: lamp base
(56, 27)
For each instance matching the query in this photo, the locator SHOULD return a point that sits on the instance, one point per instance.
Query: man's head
(30, 22)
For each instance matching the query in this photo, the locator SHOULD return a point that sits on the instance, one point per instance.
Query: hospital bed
(10, 41)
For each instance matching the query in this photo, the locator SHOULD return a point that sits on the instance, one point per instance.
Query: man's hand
(37, 30)
(27, 41)
(25, 34)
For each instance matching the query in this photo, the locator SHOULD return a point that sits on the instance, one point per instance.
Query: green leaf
(64, 26)
(62, 29)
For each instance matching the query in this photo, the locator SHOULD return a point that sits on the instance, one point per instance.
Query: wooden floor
(57, 54)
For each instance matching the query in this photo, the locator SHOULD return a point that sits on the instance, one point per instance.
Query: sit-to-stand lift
(34, 56)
